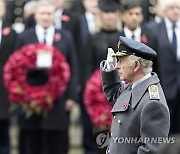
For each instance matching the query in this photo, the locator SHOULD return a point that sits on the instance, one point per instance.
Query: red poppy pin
(65, 18)
(125, 106)
(6, 31)
(144, 39)
(57, 37)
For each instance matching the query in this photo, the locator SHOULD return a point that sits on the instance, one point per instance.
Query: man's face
(109, 20)
(173, 12)
(126, 72)
(133, 18)
(158, 9)
(58, 3)
(45, 16)
(91, 5)
(2, 9)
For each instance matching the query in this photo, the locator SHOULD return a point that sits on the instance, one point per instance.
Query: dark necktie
(133, 36)
(45, 32)
(174, 41)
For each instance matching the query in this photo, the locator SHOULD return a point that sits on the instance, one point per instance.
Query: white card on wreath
(44, 59)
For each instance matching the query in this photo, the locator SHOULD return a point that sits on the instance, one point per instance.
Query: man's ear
(137, 66)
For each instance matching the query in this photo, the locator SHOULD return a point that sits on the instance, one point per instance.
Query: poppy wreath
(35, 98)
(96, 104)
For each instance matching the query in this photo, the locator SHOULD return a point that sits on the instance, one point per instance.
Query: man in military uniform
(140, 110)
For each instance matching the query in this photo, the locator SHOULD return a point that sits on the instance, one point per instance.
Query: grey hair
(45, 3)
(146, 64)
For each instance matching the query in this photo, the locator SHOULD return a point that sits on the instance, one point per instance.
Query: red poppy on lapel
(57, 37)
(65, 18)
(125, 106)
(6, 31)
(144, 39)
(126, 82)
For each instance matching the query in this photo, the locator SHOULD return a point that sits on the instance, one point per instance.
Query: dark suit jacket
(170, 67)
(72, 25)
(84, 33)
(83, 48)
(6, 48)
(57, 118)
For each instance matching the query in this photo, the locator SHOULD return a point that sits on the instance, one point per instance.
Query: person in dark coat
(140, 112)
(68, 20)
(168, 33)
(134, 29)
(107, 34)
(108, 30)
(78, 7)
(87, 28)
(7, 41)
(38, 131)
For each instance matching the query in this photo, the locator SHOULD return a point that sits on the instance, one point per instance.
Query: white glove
(111, 61)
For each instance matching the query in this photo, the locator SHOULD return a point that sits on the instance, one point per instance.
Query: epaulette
(153, 92)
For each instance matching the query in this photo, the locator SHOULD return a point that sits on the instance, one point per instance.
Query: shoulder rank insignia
(153, 92)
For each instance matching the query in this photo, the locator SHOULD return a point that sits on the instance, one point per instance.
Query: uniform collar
(140, 80)
(139, 90)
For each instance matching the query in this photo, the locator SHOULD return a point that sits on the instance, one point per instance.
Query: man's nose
(118, 65)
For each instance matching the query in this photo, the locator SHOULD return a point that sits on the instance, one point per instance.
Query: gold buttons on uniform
(114, 117)
(119, 122)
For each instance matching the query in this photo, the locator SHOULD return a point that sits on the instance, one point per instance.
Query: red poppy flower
(65, 18)
(57, 37)
(144, 39)
(6, 31)
(125, 106)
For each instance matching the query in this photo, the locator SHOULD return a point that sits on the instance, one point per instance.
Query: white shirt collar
(90, 22)
(157, 19)
(137, 33)
(59, 12)
(168, 23)
(0, 30)
(89, 15)
(50, 31)
(0, 24)
(141, 80)
(58, 22)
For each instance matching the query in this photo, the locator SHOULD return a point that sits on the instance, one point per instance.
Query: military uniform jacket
(140, 115)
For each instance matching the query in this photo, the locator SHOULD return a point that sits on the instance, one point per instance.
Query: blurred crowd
(86, 29)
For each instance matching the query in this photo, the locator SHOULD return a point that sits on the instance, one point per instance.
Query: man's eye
(118, 60)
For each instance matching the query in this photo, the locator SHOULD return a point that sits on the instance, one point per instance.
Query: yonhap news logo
(102, 140)
(141, 140)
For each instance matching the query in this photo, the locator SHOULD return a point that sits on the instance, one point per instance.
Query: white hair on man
(45, 3)
(167, 3)
(146, 64)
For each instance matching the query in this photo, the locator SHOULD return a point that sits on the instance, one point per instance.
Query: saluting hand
(111, 61)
